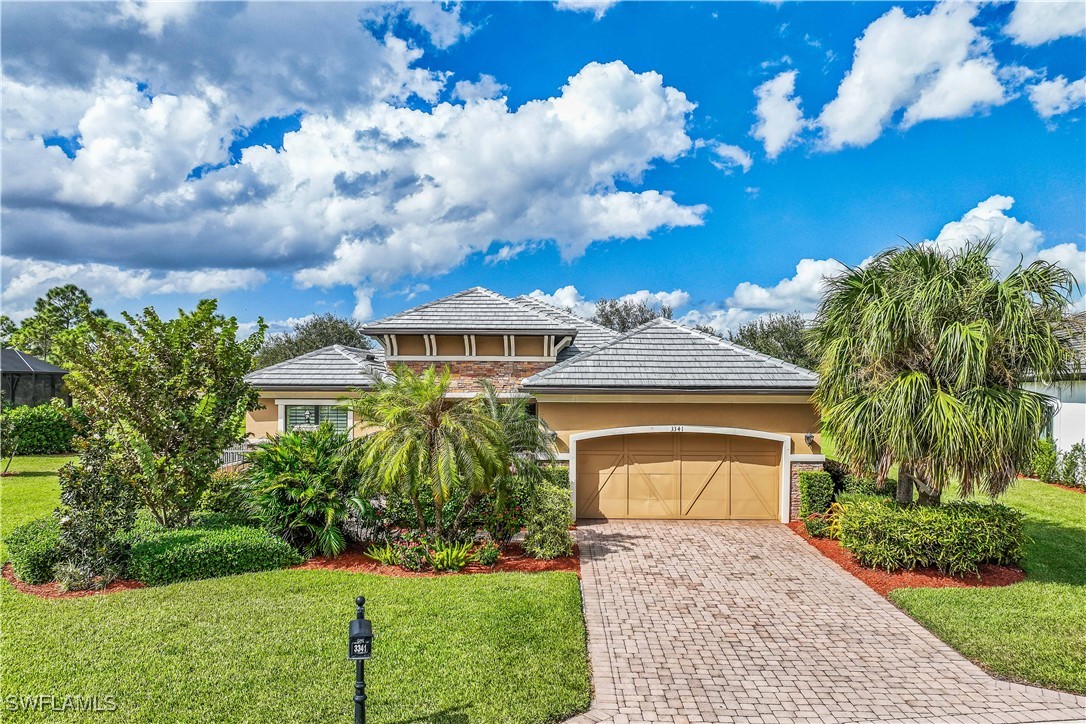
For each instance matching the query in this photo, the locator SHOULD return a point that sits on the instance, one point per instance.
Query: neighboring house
(660, 422)
(27, 380)
(1068, 425)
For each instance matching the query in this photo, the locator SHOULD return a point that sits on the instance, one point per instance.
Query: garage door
(678, 475)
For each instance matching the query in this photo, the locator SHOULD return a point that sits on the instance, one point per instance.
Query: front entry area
(678, 475)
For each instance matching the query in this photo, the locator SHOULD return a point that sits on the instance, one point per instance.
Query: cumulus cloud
(486, 88)
(1036, 23)
(932, 66)
(153, 17)
(597, 7)
(780, 118)
(568, 297)
(727, 157)
(24, 280)
(1057, 96)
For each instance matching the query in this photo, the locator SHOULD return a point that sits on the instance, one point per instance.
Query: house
(1068, 424)
(27, 380)
(660, 422)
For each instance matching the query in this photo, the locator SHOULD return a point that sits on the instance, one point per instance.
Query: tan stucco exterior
(789, 415)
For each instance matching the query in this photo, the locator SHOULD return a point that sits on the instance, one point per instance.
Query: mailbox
(360, 641)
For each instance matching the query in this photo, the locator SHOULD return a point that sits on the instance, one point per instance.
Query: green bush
(955, 538)
(448, 556)
(226, 495)
(1043, 462)
(547, 525)
(34, 549)
(187, 554)
(488, 553)
(41, 430)
(815, 492)
(867, 486)
(1071, 466)
(817, 525)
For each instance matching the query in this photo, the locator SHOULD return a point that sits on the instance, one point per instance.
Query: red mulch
(52, 590)
(512, 560)
(883, 582)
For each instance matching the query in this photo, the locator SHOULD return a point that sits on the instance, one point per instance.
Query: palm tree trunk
(439, 526)
(926, 494)
(905, 484)
(418, 511)
(459, 520)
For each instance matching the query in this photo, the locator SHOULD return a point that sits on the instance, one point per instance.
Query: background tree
(58, 325)
(311, 334)
(420, 444)
(923, 354)
(624, 315)
(783, 336)
(7, 328)
(170, 396)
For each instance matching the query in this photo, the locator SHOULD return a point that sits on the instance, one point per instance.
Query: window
(308, 417)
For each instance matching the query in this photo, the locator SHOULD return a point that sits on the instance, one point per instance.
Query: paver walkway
(745, 622)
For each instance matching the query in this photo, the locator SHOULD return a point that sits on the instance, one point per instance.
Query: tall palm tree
(418, 443)
(923, 354)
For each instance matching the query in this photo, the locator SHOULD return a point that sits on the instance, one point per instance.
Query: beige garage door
(678, 475)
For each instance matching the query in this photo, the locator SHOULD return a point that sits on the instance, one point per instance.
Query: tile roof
(663, 355)
(14, 361)
(475, 310)
(589, 334)
(335, 367)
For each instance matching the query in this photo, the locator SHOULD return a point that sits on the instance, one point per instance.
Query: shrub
(955, 538)
(42, 429)
(296, 491)
(186, 554)
(226, 495)
(1043, 462)
(866, 485)
(815, 492)
(448, 556)
(488, 553)
(1071, 466)
(34, 549)
(817, 525)
(547, 526)
(387, 554)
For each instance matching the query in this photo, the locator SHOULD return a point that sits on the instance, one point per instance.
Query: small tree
(313, 333)
(923, 356)
(170, 396)
(783, 336)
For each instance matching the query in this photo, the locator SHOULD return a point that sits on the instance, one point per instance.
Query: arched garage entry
(680, 472)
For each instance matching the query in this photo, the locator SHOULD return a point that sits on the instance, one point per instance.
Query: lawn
(30, 494)
(272, 646)
(1034, 631)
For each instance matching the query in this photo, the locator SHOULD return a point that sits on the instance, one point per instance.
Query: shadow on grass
(1055, 553)
(452, 715)
(15, 475)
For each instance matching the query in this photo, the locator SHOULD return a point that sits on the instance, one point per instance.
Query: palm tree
(418, 443)
(923, 353)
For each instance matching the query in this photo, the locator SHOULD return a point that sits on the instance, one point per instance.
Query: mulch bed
(883, 582)
(512, 560)
(52, 590)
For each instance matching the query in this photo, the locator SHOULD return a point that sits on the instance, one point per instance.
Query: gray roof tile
(664, 355)
(589, 334)
(475, 310)
(334, 368)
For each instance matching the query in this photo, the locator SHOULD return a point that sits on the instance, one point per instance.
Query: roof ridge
(424, 305)
(732, 345)
(304, 355)
(561, 310)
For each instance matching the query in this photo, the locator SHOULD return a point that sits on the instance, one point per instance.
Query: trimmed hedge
(550, 514)
(34, 549)
(955, 537)
(40, 430)
(187, 554)
(866, 486)
(815, 492)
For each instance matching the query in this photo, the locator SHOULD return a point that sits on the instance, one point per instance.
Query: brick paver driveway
(745, 622)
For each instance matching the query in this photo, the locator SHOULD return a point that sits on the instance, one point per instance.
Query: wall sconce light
(809, 439)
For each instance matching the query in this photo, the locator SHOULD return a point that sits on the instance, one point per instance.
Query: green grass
(32, 493)
(1034, 631)
(272, 646)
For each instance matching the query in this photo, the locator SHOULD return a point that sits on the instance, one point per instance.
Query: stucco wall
(1069, 423)
(263, 422)
(794, 417)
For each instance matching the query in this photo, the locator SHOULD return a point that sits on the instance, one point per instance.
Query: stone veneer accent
(797, 468)
(467, 374)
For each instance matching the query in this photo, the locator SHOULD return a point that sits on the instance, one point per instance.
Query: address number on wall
(676, 428)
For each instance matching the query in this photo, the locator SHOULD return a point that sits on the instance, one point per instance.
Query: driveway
(745, 622)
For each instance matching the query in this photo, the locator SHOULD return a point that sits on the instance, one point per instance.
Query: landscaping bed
(53, 590)
(513, 560)
(884, 582)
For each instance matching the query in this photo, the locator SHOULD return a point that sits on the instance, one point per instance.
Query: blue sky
(721, 157)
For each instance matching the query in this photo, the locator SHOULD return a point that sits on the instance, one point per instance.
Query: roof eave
(379, 331)
(626, 389)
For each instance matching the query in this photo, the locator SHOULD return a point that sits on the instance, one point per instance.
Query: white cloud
(934, 66)
(727, 157)
(780, 118)
(486, 88)
(597, 7)
(1035, 23)
(1016, 242)
(1057, 96)
(153, 17)
(568, 297)
(441, 20)
(799, 292)
(24, 280)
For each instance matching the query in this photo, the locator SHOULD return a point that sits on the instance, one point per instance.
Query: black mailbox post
(360, 648)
